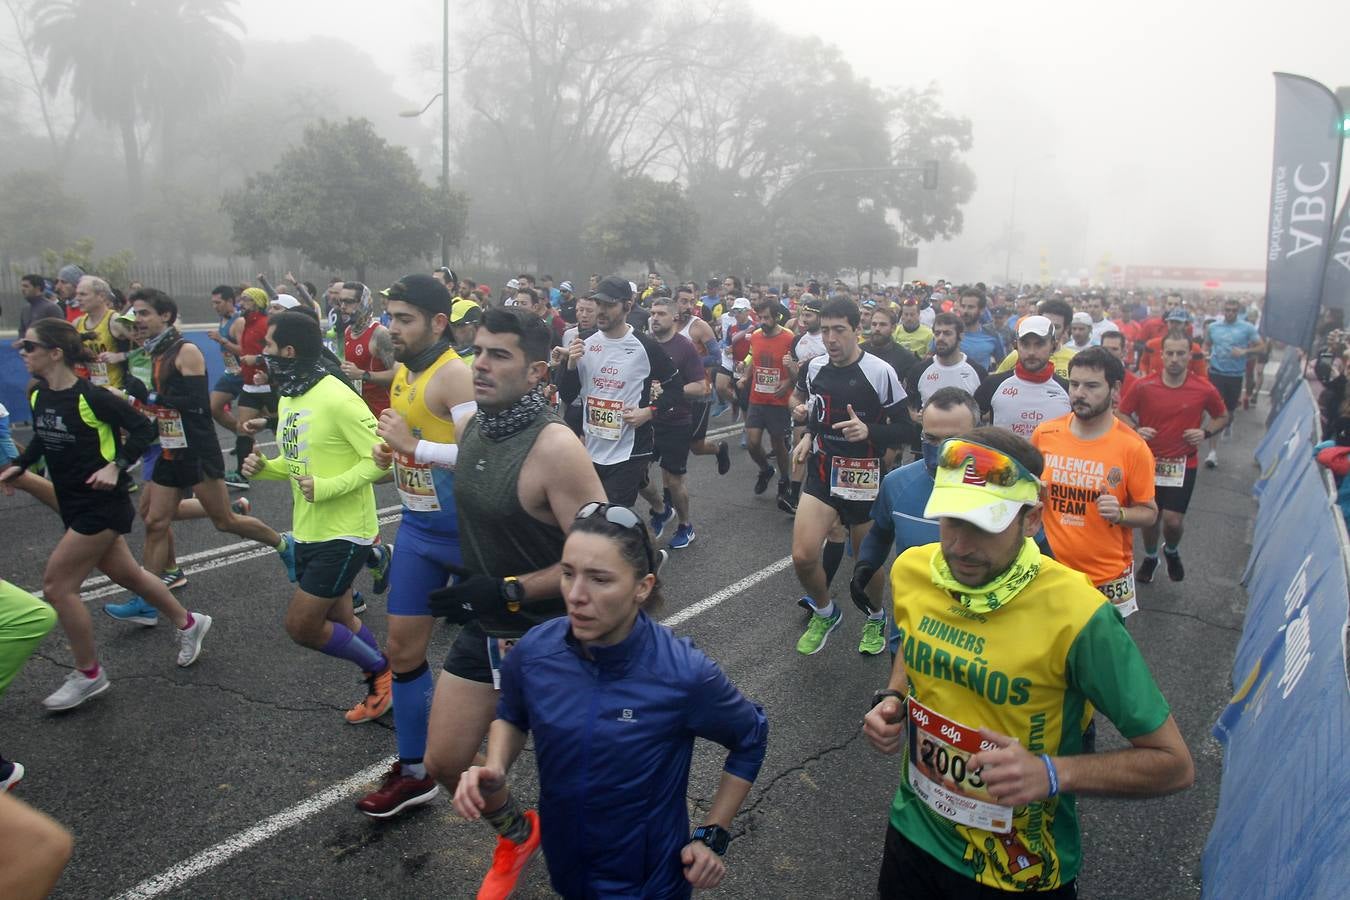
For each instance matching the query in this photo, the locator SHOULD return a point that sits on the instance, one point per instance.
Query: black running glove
(471, 596)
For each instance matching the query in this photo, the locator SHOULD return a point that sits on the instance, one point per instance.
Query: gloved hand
(471, 596)
(857, 586)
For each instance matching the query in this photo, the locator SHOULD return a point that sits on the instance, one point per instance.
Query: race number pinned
(416, 484)
(604, 418)
(940, 773)
(171, 434)
(767, 381)
(1169, 472)
(98, 373)
(855, 479)
(1120, 591)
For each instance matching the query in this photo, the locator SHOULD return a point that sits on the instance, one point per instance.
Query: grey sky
(1140, 131)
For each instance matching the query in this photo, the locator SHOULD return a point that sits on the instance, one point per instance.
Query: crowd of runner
(1000, 445)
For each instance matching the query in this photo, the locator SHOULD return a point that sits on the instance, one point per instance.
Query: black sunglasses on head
(623, 517)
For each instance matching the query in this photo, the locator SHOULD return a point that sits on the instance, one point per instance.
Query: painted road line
(176, 876)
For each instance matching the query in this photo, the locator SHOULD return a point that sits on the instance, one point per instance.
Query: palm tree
(134, 62)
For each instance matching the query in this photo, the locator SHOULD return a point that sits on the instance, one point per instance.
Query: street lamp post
(444, 97)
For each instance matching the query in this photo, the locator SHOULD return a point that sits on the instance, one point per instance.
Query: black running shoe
(1144, 574)
(762, 482)
(723, 458)
(1175, 570)
(785, 502)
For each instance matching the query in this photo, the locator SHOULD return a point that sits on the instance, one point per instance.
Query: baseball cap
(465, 312)
(613, 289)
(512, 285)
(740, 303)
(286, 301)
(812, 302)
(422, 291)
(980, 485)
(1177, 315)
(1035, 325)
(1082, 318)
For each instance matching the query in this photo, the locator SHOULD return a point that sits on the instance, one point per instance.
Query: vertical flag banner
(1336, 284)
(1302, 203)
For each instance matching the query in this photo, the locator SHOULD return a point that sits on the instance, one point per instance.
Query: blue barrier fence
(1282, 828)
(14, 377)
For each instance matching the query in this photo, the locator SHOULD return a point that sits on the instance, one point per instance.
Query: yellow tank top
(99, 373)
(427, 491)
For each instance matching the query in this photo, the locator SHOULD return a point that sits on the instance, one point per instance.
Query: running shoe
(76, 689)
(359, 604)
(1212, 460)
(818, 632)
(12, 779)
(174, 579)
(762, 482)
(785, 502)
(396, 793)
(873, 637)
(807, 606)
(190, 639)
(718, 408)
(1175, 570)
(135, 610)
(287, 553)
(381, 558)
(684, 536)
(241, 506)
(723, 458)
(235, 479)
(509, 862)
(379, 698)
(1144, 574)
(660, 521)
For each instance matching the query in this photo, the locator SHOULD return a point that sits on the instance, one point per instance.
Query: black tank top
(497, 536)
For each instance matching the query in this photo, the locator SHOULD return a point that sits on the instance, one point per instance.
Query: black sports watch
(513, 592)
(715, 836)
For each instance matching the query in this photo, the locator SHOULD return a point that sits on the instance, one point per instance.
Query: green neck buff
(1000, 592)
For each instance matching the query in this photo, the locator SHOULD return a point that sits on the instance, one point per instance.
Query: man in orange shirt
(769, 384)
(1178, 323)
(1099, 480)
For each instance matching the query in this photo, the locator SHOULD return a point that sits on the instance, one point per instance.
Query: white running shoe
(76, 689)
(1212, 461)
(190, 639)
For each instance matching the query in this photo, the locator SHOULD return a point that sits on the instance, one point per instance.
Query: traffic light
(930, 174)
(1343, 95)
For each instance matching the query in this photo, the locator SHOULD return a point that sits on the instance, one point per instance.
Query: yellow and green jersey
(327, 433)
(1034, 670)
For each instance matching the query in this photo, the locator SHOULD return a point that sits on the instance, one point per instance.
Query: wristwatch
(365, 376)
(513, 592)
(715, 836)
(882, 695)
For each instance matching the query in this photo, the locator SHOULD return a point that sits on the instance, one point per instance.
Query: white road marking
(178, 875)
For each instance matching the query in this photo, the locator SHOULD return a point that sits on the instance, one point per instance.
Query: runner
(24, 622)
(1256, 360)
(431, 388)
(1170, 410)
(1030, 392)
(1229, 343)
(1060, 313)
(108, 367)
(770, 389)
(1099, 480)
(67, 279)
(573, 414)
(1096, 310)
(225, 391)
(705, 342)
(1178, 323)
(978, 342)
(881, 344)
(806, 346)
(464, 318)
(367, 353)
(1117, 344)
(190, 452)
(673, 428)
(991, 692)
(736, 325)
(947, 367)
(325, 433)
(613, 373)
(1080, 333)
(530, 475)
(256, 398)
(77, 429)
(613, 786)
(853, 406)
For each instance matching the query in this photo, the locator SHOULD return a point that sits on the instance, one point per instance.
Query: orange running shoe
(379, 697)
(509, 862)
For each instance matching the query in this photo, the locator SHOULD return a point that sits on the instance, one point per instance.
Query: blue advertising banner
(1303, 184)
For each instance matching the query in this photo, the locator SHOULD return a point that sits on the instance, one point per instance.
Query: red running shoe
(509, 862)
(397, 793)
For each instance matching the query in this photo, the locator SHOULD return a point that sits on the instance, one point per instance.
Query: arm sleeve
(357, 426)
(984, 394)
(112, 409)
(274, 469)
(719, 712)
(569, 383)
(189, 394)
(1105, 664)
(881, 536)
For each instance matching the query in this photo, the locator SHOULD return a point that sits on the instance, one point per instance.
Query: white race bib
(940, 773)
(416, 484)
(98, 374)
(171, 435)
(604, 418)
(766, 381)
(1120, 591)
(855, 479)
(1169, 472)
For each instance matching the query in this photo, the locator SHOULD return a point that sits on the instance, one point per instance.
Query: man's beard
(1093, 411)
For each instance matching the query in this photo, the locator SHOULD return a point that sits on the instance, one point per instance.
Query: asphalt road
(182, 766)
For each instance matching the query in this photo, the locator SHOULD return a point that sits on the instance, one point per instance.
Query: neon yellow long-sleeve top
(327, 433)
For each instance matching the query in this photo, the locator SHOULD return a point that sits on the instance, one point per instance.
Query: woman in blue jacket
(615, 701)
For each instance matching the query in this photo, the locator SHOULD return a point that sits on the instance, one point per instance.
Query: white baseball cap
(1035, 325)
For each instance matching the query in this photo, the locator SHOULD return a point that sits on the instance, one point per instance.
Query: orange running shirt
(1076, 473)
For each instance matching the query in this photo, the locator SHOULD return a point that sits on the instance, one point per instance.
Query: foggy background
(1129, 135)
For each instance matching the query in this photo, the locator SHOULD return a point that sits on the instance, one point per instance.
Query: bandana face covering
(292, 375)
(512, 420)
(162, 341)
(998, 593)
(421, 361)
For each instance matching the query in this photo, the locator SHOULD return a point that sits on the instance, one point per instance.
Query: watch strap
(715, 837)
